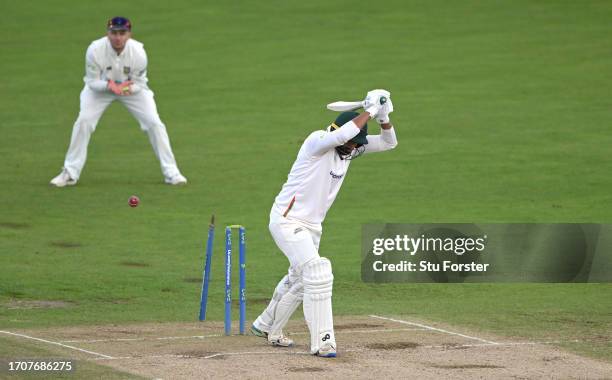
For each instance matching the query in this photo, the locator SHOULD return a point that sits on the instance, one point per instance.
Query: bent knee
(86, 122)
(317, 276)
(152, 124)
(297, 290)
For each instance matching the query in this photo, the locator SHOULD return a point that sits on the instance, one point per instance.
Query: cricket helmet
(345, 117)
(361, 139)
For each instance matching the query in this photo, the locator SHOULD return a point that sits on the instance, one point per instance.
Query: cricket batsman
(300, 208)
(116, 69)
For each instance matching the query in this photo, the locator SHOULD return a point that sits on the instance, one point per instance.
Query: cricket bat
(342, 106)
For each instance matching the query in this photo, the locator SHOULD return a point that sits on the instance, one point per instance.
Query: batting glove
(383, 115)
(374, 101)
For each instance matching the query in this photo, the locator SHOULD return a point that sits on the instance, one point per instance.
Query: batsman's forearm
(388, 138)
(321, 142)
(361, 120)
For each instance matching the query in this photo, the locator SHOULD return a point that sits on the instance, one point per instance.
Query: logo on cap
(119, 23)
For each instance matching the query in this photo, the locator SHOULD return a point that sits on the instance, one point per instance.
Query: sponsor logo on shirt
(335, 176)
(126, 69)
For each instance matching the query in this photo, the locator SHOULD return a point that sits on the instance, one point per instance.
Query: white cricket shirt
(102, 63)
(318, 172)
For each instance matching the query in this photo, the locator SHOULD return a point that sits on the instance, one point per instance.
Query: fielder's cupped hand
(126, 88)
(121, 89)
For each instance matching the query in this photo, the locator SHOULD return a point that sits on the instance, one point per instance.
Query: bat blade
(344, 106)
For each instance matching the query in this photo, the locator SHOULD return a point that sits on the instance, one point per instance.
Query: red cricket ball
(133, 201)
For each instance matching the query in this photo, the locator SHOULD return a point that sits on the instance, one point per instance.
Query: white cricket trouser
(300, 243)
(141, 105)
(310, 280)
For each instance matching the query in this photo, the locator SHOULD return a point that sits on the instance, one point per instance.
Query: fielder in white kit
(116, 69)
(297, 214)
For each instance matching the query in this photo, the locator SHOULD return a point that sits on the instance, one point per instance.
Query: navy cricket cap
(119, 23)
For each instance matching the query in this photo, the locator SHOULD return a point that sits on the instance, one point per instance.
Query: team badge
(126, 70)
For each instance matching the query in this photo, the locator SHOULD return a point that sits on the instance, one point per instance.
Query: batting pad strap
(320, 296)
(311, 290)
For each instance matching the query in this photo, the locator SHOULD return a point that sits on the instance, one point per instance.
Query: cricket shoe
(63, 179)
(177, 179)
(327, 351)
(280, 341)
(257, 332)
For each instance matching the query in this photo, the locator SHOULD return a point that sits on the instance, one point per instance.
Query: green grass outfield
(502, 114)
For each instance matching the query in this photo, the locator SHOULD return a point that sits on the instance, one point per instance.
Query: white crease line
(434, 329)
(194, 336)
(507, 344)
(212, 356)
(147, 357)
(205, 357)
(103, 340)
(219, 335)
(447, 346)
(340, 332)
(57, 344)
(141, 339)
(116, 358)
